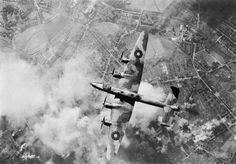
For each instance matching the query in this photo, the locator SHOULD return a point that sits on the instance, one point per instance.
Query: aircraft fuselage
(128, 96)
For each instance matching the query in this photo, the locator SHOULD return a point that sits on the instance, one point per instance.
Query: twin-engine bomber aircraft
(127, 94)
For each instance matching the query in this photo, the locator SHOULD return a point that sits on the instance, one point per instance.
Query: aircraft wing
(135, 66)
(168, 112)
(121, 117)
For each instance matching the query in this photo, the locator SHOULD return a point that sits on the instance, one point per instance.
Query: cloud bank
(143, 114)
(54, 102)
(21, 90)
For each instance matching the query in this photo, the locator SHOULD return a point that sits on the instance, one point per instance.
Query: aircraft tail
(175, 91)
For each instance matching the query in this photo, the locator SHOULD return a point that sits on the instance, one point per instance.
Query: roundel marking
(138, 53)
(115, 135)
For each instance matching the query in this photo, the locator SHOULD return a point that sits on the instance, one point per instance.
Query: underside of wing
(166, 117)
(168, 111)
(134, 67)
(119, 119)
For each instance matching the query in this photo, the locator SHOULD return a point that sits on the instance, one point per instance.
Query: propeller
(105, 100)
(122, 54)
(113, 71)
(106, 123)
(103, 121)
(123, 60)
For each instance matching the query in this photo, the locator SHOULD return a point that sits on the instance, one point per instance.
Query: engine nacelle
(111, 105)
(118, 75)
(105, 123)
(124, 60)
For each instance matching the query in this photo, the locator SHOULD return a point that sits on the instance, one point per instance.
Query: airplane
(127, 94)
(132, 97)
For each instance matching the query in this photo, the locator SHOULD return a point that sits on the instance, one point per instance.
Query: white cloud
(205, 131)
(74, 83)
(27, 92)
(49, 162)
(59, 131)
(21, 90)
(142, 113)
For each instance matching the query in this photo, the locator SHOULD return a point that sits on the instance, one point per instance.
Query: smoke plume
(22, 92)
(141, 118)
(54, 101)
(214, 11)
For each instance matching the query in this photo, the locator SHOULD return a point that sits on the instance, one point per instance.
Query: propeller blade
(103, 120)
(122, 54)
(113, 71)
(105, 100)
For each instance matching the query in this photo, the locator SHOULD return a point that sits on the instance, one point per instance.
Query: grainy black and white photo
(117, 81)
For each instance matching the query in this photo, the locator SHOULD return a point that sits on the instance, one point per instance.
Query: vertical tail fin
(175, 91)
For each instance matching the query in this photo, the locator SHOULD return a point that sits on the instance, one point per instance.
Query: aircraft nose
(97, 85)
(94, 85)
